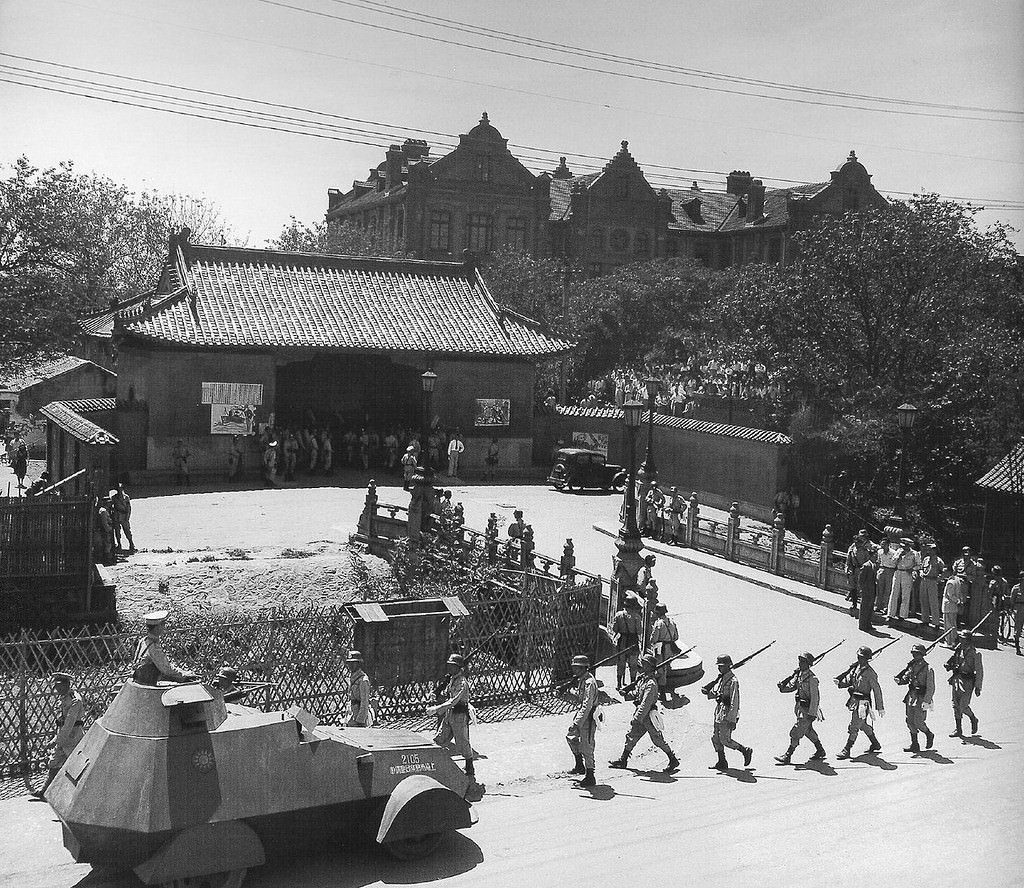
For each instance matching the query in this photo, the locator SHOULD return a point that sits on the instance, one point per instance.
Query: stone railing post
(692, 519)
(732, 532)
(825, 556)
(369, 510)
(459, 526)
(526, 547)
(778, 543)
(567, 564)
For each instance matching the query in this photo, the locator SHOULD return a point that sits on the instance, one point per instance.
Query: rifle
(561, 686)
(245, 687)
(706, 689)
(874, 654)
(796, 671)
(977, 626)
(628, 689)
(443, 682)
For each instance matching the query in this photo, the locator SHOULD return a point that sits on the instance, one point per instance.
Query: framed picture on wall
(492, 412)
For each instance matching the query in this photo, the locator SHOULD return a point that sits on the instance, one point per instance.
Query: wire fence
(523, 637)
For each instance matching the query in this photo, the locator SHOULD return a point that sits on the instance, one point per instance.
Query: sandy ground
(941, 819)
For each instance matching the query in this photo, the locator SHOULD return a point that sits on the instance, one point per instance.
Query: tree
(70, 243)
(340, 239)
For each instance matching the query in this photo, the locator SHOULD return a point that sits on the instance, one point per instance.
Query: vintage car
(186, 789)
(576, 468)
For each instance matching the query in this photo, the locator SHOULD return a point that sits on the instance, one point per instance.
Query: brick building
(480, 197)
(233, 338)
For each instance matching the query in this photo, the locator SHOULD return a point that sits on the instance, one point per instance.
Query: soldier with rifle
(965, 677)
(227, 683)
(861, 681)
(919, 679)
(627, 624)
(361, 712)
(647, 718)
(803, 684)
(453, 730)
(582, 733)
(725, 691)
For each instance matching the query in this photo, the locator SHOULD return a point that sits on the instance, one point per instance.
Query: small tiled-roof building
(77, 437)
(301, 339)
(24, 393)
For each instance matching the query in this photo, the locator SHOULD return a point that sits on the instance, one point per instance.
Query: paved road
(938, 820)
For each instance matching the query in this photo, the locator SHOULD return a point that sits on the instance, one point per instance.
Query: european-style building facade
(480, 197)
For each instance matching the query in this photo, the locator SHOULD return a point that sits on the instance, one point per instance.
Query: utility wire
(569, 49)
(625, 74)
(223, 113)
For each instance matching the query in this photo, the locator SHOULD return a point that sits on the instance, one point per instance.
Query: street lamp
(429, 378)
(648, 471)
(906, 414)
(627, 562)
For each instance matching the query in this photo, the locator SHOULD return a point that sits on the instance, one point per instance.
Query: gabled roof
(679, 422)
(63, 415)
(561, 195)
(92, 405)
(101, 323)
(45, 370)
(695, 210)
(1007, 475)
(266, 299)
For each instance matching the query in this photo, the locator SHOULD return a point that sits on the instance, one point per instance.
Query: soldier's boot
(914, 745)
(470, 770)
(748, 754)
(579, 769)
(785, 758)
(819, 754)
(875, 745)
(959, 732)
(845, 753)
(672, 766)
(720, 765)
(620, 762)
(588, 778)
(974, 723)
(929, 739)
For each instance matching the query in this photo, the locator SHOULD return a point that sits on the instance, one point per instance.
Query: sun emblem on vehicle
(202, 760)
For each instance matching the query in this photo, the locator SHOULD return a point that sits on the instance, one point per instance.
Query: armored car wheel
(229, 879)
(414, 847)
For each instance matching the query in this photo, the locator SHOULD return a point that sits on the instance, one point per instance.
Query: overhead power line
(375, 134)
(632, 75)
(583, 52)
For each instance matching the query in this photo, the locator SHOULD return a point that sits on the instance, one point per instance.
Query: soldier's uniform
(919, 678)
(676, 511)
(225, 683)
(862, 683)
(965, 678)
(453, 731)
(627, 623)
(664, 636)
(582, 733)
(70, 723)
(726, 693)
(803, 684)
(360, 693)
(1015, 605)
(151, 663)
(646, 719)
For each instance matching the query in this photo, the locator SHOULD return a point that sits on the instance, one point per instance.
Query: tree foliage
(343, 239)
(72, 242)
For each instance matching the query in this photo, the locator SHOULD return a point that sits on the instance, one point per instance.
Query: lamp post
(429, 378)
(627, 563)
(648, 470)
(906, 414)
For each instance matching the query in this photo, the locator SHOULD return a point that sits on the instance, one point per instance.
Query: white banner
(232, 393)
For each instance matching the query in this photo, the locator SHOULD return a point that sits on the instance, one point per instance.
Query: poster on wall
(232, 393)
(492, 412)
(232, 419)
(591, 441)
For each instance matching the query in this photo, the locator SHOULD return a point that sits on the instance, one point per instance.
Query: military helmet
(865, 651)
(918, 649)
(354, 656)
(228, 673)
(648, 663)
(724, 660)
(806, 656)
(581, 660)
(457, 660)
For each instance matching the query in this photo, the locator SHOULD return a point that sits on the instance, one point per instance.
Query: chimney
(469, 261)
(414, 149)
(738, 182)
(562, 171)
(755, 200)
(393, 167)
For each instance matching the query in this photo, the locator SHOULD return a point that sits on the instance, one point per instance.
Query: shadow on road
(980, 741)
(600, 793)
(876, 761)
(823, 768)
(739, 774)
(935, 756)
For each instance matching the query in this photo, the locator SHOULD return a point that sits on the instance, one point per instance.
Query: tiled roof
(63, 415)
(247, 298)
(1007, 475)
(42, 371)
(679, 422)
(561, 195)
(714, 209)
(101, 323)
(370, 199)
(92, 405)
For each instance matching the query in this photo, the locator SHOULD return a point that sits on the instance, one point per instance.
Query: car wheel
(414, 847)
(559, 485)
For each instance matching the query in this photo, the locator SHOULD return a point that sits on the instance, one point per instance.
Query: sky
(952, 75)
